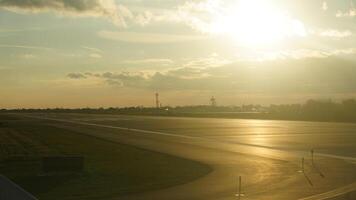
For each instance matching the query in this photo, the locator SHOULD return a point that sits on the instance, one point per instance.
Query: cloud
(324, 6)
(19, 30)
(92, 49)
(107, 9)
(125, 79)
(148, 38)
(76, 76)
(212, 61)
(349, 13)
(120, 15)
(300, 54)
(28, 56)
(188, 73)
(145, 18)
(228, 18)
(160, 61)
(331, 33)
(198, 15)
(94, 52)
(294, 76)
(25, 47)
(95, 55)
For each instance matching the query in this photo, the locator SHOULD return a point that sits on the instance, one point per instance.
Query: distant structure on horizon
(213, 101)
(157, 101)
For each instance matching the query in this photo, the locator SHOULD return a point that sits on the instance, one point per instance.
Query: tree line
(311, 110)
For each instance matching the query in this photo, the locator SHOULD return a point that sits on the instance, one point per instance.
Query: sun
(257, 23)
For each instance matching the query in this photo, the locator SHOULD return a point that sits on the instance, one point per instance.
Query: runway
(267, 154)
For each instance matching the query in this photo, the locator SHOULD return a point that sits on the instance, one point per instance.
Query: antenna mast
(157, 101)
(213, 101)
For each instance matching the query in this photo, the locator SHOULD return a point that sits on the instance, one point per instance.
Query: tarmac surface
(266, 154)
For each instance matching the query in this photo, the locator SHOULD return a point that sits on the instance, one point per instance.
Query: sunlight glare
(257, 22)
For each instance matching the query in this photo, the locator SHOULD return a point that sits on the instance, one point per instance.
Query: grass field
(111, 169)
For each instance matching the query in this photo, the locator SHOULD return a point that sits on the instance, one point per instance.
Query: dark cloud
(124, 76)
(94, 8)
(76, 76)
(76, 5)
(312, 75)
(125, 79)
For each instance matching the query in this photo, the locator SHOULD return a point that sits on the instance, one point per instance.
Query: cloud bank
(306, 76)
(336, 33)
(148, 38)
(107, 9)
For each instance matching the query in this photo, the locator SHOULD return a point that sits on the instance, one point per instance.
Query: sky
(115, 53)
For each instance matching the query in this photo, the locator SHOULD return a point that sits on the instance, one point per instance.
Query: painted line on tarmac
(333, 193)
(346, 158)
(118, 128)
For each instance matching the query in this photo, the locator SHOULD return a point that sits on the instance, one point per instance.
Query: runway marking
(347, 158)
(118, 128)
(333, 193)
